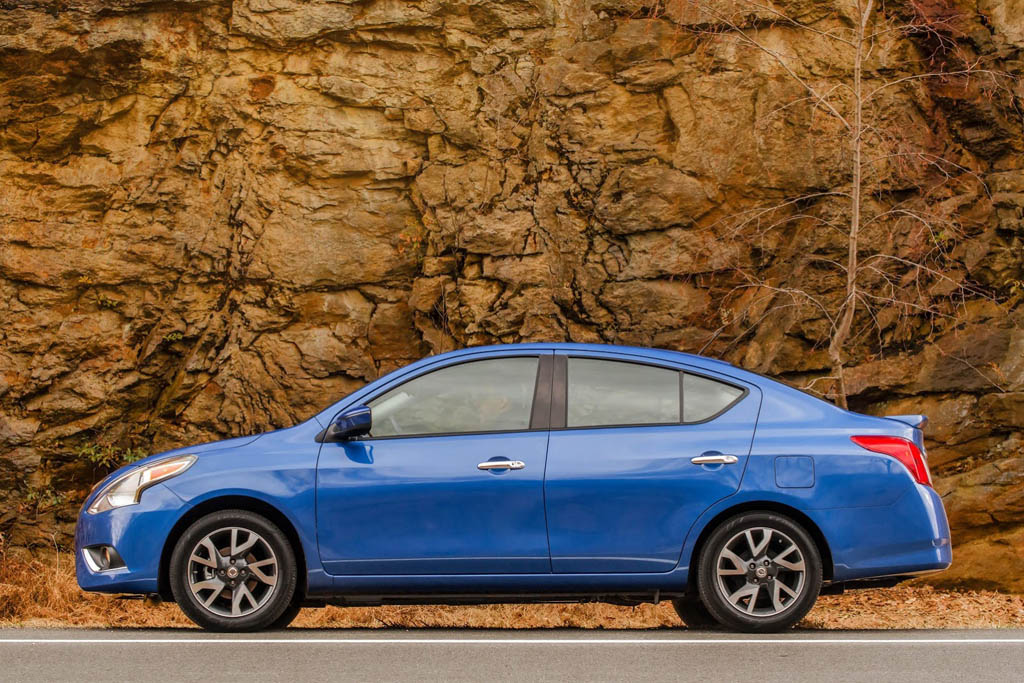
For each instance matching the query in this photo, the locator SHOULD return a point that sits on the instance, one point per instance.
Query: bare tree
(917, 283)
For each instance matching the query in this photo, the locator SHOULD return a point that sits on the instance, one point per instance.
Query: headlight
(126, 489)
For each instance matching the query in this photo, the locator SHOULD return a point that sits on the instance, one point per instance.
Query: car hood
(211, 447)
(206, 447)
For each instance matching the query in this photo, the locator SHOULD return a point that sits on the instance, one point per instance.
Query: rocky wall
(217, 217)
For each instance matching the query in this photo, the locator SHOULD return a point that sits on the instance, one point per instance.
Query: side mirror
(353, 422)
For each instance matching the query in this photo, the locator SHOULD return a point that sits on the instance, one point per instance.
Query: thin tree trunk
(842, 331)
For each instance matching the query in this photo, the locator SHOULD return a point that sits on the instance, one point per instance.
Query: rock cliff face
(218, 216)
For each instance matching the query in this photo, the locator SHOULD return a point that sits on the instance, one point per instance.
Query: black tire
(286, 618)
(271, 601)
(771, 613)
(694, 614)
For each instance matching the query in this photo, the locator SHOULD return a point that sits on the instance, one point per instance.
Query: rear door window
(604, 393)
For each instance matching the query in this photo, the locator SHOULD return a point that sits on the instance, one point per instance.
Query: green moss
(109, 456)
(43, 498)
(110, 304)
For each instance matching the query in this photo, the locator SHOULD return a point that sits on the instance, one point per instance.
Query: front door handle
(715, 460)
(501, 465)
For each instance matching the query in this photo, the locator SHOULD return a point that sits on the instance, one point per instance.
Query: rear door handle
(501, 465)
(715, 460)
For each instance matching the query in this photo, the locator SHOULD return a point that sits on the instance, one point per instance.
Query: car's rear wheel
(759, 572)
(234, 571)
(693, 612)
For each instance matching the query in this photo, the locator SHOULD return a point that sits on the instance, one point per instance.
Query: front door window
(493, 395)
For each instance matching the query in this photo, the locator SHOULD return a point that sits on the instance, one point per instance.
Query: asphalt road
(481, 655)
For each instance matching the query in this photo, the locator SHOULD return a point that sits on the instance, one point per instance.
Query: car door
(622, 485)
(427, 491)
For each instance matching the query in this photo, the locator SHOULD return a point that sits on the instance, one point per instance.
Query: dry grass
(36, 592)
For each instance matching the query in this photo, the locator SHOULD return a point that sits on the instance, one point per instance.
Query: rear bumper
(138, 533)
(909, 537)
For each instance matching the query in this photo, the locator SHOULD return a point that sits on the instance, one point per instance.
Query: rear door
(622, 487)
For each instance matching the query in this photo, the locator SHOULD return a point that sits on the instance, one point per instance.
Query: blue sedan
(530, 473)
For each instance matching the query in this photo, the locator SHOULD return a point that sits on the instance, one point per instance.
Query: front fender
(278, 470)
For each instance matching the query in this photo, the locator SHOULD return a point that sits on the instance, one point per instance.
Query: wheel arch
(232, 502)
(793, 513)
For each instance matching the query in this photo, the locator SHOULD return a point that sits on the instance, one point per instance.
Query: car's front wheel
(759, 572)
(233, 571)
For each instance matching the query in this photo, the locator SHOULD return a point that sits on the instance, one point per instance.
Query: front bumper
(138, 533)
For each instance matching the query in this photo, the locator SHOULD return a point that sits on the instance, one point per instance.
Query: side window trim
(540, 415)
(560, 392)
(682, 397)
(543, 357)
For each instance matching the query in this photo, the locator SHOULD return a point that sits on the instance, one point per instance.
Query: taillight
(903, 450)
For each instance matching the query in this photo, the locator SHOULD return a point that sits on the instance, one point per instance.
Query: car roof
(666, 354)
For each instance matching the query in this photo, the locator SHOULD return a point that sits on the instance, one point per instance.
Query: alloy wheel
(760, 572)
(232, 572)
